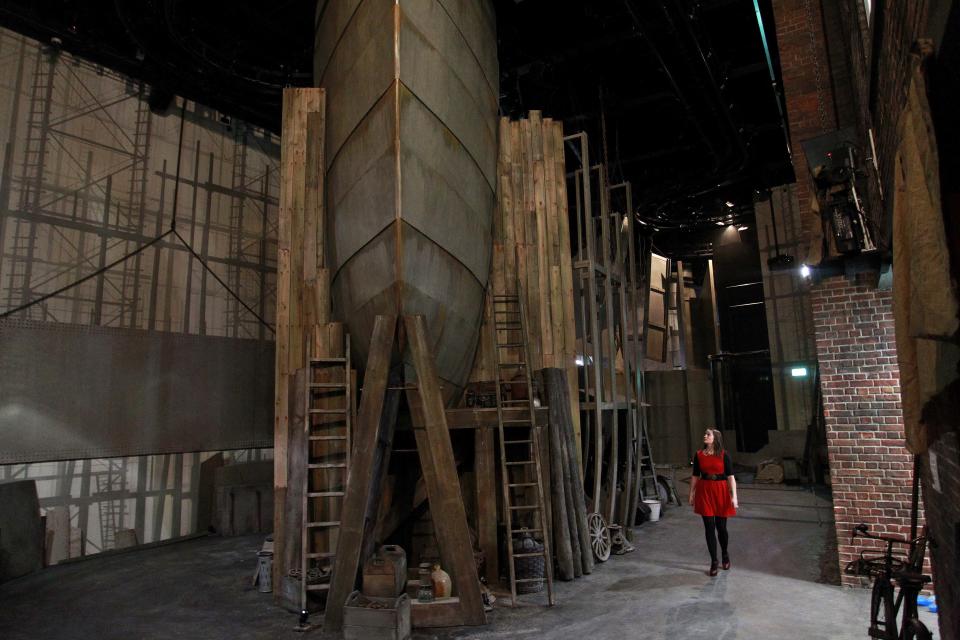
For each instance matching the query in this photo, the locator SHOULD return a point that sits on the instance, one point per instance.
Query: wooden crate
(391, 622)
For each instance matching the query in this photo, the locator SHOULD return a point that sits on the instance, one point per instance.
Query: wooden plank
(283, 312)
(280, 441)
(552, 250)
(526, 244)
(287, 551)
(611, 347)
(543, 265)
(484, 467)
(360, 483)
(297, 105)
(539, 303)
(502, 222)
(564, 248)
(556, 317)
(486, 418)
(518, 217)
(525, 254)
(636, 355)
(566, 279)
(443, 488)
(313, 214)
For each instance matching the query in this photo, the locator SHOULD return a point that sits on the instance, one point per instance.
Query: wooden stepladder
(521, 479)
(327, 423)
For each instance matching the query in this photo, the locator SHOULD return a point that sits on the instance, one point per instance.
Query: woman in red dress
(713, 494)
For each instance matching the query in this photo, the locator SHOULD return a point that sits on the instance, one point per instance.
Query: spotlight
(742, 227)
(719, 223)
(804, 271)
(729, 204)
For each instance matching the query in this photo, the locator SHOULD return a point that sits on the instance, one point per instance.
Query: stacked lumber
(531, 247)
(303, 327)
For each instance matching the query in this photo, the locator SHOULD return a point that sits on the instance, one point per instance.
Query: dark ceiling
(681, 88)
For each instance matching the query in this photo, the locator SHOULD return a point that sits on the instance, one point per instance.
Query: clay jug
(442, 587)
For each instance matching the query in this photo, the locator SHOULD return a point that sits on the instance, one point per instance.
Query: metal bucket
(264, 571)
(654, 506)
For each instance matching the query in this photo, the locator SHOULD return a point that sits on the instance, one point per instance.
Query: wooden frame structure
(374, 432)
(606, 293)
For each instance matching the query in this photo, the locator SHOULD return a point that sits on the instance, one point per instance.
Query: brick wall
(871, 471)
(863, 489)
(807, 87)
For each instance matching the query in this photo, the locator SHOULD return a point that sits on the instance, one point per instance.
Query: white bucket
(654, 506)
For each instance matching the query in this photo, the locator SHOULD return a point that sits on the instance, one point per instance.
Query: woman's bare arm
(693, 485)
(732, 483)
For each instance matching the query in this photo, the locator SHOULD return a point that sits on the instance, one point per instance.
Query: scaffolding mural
(88, 175)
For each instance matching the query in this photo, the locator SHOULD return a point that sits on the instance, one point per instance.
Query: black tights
(716, 527)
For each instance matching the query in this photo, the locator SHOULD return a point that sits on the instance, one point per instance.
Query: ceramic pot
(442, 586)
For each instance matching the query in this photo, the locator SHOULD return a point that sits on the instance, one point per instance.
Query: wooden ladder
(519, 443)
(645, 468)
(328, 431)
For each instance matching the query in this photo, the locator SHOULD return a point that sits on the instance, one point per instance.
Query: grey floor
(201, 589)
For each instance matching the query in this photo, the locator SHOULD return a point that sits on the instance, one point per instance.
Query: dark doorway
(743, 388)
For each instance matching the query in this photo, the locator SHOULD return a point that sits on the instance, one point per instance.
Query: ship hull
(410, 156)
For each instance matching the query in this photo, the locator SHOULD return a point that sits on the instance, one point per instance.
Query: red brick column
(807, 87)
(870, 468)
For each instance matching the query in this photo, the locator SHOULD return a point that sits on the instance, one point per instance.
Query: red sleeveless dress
(712, 497)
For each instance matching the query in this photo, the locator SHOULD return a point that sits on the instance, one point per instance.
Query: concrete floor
(201, 589)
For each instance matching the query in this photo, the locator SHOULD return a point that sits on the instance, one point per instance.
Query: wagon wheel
(599, 537)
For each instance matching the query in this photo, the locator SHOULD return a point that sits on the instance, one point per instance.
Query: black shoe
(713, 568)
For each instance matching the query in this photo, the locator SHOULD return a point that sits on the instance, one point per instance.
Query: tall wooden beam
(363, 478)
(300, 185)
(440, 473)
(484, 468)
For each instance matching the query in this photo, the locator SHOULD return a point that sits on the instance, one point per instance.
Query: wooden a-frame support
(436, 459)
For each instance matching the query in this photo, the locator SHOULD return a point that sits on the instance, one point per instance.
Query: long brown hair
(717, 442)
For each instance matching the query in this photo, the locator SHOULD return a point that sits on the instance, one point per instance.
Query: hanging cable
(222, 283)
(96, 273)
